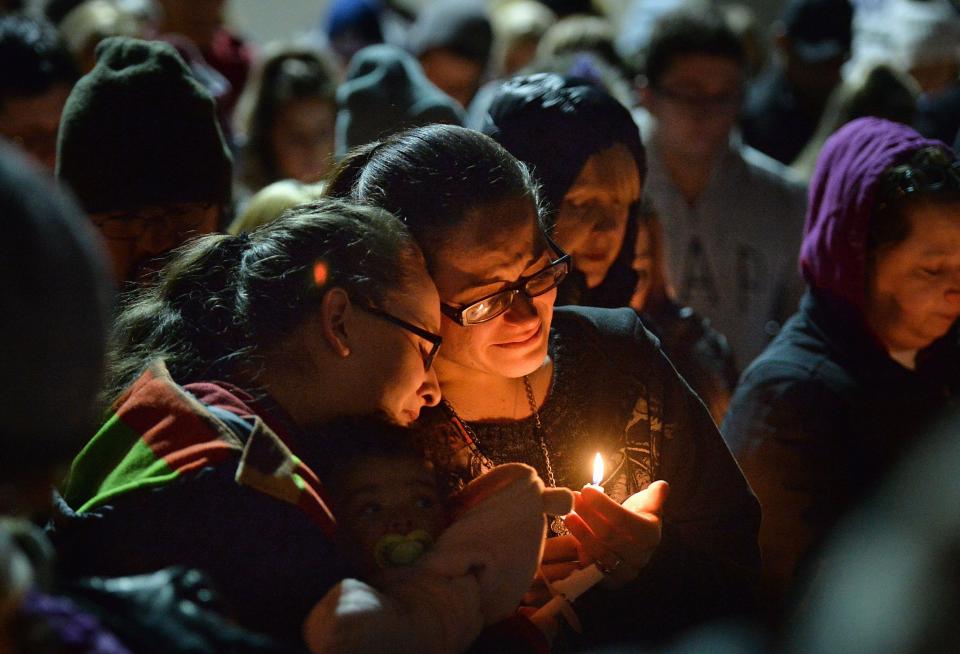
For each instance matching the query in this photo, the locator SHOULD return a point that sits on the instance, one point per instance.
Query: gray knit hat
(387, 91)
(139, 131)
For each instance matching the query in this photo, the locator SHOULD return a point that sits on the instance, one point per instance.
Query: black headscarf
(554, 123)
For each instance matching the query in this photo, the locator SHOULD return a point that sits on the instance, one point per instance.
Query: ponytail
(189, 313)
(222, 299)
(344, 178)
(431, 178)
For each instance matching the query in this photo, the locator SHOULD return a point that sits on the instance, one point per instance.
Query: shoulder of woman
(617, 327)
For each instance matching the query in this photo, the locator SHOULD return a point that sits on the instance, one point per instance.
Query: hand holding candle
(621, 539)
(604, 520)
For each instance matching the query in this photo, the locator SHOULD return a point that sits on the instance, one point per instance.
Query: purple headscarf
(842, 194)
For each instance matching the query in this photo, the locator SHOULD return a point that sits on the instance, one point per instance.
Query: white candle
(567, 590)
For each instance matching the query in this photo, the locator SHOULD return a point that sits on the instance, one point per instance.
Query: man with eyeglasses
(732, 217)
(141, 148)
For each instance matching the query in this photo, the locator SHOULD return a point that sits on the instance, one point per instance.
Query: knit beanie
(387, 91)
(140, 131)
(461, 26)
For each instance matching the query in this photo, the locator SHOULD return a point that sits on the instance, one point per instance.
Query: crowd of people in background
(313, 345)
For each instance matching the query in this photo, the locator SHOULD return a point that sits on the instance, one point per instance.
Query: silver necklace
(556, 525)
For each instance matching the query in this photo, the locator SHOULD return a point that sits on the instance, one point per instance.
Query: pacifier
(397, 550)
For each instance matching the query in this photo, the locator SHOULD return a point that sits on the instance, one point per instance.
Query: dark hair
(554, 123)
(432, 177)
(33, 58)
(347, 441)
(932, 175)
(221, 299)
(286, 74)
(690, 32)
(57, 306)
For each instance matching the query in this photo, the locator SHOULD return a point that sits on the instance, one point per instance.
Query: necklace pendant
(558, 527)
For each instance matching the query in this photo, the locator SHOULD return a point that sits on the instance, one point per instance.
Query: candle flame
(597, 470)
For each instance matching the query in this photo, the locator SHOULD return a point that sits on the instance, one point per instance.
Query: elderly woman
(871, 357)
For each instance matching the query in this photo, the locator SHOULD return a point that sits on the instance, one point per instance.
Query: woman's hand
(621, 539)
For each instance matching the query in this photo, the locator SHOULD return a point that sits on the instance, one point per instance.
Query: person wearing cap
(453, 40)
(731, 215)
(782, 109)
(386, 91)
(141, 149)
(351, 25)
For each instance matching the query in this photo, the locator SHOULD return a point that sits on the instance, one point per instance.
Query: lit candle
(566, 590)
(597, 473)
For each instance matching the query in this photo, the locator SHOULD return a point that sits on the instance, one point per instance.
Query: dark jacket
(193, 476)
(698, 351)
(820, 417)
(772, 119)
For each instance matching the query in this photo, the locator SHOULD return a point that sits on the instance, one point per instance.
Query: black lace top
(615, 392)
(586, 411)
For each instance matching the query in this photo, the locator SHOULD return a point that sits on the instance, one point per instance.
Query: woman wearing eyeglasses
(584, 148)
(216, 373)
(872, 357)
(523, 382)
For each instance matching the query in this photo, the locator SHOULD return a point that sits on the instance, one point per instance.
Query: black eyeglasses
(491, 306)
(434, 339)
(177, 220)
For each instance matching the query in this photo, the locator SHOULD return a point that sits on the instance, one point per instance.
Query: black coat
(819, 418)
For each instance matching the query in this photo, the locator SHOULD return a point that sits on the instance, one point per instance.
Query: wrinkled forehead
(493, 240)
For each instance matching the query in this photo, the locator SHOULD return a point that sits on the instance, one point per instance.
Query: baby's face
(381, 497)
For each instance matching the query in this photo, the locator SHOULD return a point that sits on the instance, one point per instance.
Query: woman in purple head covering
(872, 356)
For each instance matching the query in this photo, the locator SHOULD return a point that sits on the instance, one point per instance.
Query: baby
(389, 505)
(433, 569)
